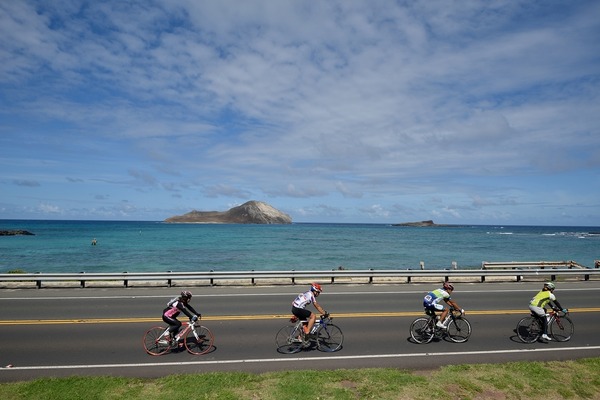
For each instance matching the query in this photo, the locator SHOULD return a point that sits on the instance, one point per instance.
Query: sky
(349, 111)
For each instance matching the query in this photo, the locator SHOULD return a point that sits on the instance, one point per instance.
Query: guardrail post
(293, 277)
(552, 278)
(212, 280)
(253, 278)
(332, 277)
(422, 264)
(38, 283)
(408, 278)
(482, 278)
(371, 277)
(169, 281)
(82, 282)
(125, 281)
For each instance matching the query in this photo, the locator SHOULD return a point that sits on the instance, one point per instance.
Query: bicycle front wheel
(330, 338)
(154, 342)
(422, 330)
(459, 330)
(562, 329)
(289, 339)
(199, 340)
(529, 329)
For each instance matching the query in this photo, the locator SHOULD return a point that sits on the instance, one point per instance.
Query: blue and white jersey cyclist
(432, 301)
(302, 300)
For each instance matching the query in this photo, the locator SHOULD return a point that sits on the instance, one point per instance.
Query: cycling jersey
(542, 299)
(433, 298)
(175, 307)
(304, 299)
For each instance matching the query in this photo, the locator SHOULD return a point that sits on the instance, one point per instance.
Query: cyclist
(432, 301)
(174, 307)
(538, 304)
(300, 303)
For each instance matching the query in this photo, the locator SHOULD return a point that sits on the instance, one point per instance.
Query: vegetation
(519, 380)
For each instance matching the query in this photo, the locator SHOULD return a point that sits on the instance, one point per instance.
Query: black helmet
(186, 295)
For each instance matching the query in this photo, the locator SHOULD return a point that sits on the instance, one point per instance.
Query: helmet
(550, 285)
(315, 287)
(186, 295)
(448, 286)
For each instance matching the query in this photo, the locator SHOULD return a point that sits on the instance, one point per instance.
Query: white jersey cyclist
(304, 299)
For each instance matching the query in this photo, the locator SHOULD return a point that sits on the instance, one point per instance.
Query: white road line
(296, 359)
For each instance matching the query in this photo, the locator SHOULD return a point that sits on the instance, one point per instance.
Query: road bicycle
(424, 329)
(560, 327)
(327, 336)
(197, 339)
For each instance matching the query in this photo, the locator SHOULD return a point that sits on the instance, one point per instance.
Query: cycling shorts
(301, 313)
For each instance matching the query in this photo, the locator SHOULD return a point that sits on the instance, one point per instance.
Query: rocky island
(251, 212)
(15, 233)
(419, 224)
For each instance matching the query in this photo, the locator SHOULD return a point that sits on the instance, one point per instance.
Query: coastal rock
(15, 233)
(251, 212)
(418, 224)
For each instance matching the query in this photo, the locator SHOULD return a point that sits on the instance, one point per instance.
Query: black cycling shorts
(301, 313)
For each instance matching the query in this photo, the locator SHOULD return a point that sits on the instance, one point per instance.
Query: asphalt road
(64, 332)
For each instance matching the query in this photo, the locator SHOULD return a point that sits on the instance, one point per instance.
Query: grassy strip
(519, 380)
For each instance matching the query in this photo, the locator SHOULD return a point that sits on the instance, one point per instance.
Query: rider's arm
(452, 303)
(189, 306)
(318, 307)
(185, 310)
(556, 305)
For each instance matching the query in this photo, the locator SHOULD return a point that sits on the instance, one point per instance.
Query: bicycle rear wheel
(459, 330)
(289, 339)
(330, 338)
(154, 342)
(562, 330)
(422, 330)
(529, 329)
(200, 341)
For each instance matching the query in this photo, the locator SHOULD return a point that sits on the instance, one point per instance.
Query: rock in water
(251, 212)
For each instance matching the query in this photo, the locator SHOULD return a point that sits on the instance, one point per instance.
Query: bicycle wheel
(200, 341)
(562, 330)
(422, 330)
(153, 342)
(529, 329)
(459, 330)
(330, 338)
(289, 339)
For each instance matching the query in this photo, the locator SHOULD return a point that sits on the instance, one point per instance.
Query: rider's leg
(540, 313)
(174, 325)
(311, 322)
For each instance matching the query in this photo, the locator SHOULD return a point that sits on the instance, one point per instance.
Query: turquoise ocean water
(65, 246)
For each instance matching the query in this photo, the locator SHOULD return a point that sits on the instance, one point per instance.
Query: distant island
(421, 224)
(251, 212)
(15, 233)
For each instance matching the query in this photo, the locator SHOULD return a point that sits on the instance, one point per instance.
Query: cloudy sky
(476, 112)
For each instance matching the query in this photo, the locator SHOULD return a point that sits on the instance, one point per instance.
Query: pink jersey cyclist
(175, 307)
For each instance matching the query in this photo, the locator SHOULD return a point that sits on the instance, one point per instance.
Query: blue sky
(469, 112)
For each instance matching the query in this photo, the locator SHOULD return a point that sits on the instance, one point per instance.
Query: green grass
(519, 380)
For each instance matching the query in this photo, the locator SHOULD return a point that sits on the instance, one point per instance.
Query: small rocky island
(15, 233)
(419, 224)
(251, 212)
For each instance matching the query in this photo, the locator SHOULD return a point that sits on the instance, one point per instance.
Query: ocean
(66, 246)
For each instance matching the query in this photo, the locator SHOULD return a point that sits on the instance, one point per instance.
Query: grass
(578, 379)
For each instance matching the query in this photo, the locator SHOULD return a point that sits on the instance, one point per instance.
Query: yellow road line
(261, 317)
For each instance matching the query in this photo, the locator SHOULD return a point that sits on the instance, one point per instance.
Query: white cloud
(364, 105)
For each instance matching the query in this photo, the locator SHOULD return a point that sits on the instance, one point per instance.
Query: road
(63, 332)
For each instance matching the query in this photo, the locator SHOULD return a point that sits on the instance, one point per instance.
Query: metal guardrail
(371, 274)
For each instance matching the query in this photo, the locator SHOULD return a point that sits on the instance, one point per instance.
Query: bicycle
(327, 336)
(197, 339)
(560, 327)
(424, 329)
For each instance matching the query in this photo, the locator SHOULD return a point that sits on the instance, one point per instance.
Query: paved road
(61, 332)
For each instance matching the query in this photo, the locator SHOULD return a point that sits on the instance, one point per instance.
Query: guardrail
(371, 274)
